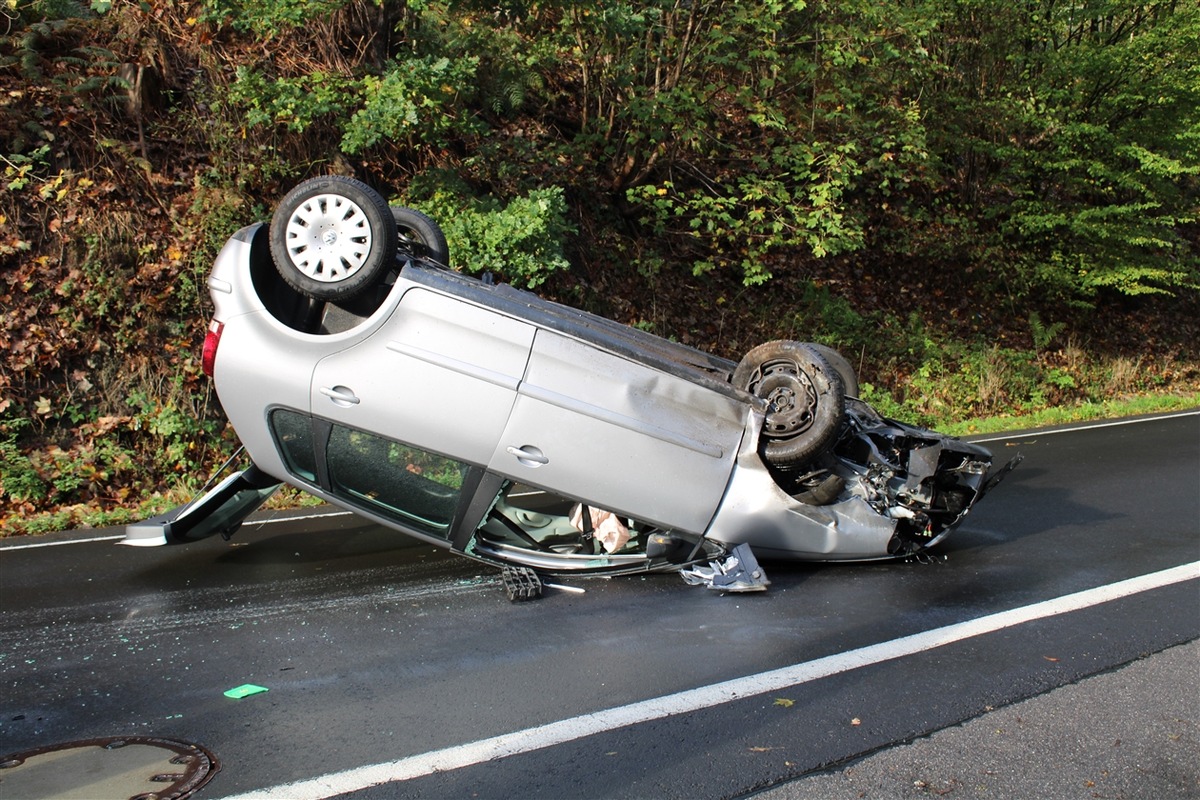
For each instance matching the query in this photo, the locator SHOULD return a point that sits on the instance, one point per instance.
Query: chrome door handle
(341, 396)
(528, 455)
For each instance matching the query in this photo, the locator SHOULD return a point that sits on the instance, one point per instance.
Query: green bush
(418, 102)
(269, 18)
(522, 240)
(20, 483)
(295, 103)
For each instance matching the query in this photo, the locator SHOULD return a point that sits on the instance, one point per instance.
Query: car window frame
(481, 489)
(462, 523)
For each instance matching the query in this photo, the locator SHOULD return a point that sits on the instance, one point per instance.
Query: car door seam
(566, 403)
(454, 365)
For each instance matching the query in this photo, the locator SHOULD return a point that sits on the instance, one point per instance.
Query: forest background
(989, 206)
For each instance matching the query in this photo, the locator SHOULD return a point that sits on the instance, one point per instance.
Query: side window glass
(293, 433)
(412, 486)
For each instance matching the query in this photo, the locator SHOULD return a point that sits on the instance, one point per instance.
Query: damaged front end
(882, 489)
(923, 480)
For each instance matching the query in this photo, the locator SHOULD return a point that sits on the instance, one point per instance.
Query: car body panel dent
(775, 525)
(617, 433)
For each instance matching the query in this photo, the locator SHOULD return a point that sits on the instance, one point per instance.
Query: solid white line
(323, 515)
(1089, 427)
(5, 548)
(707, 696)
(249, 524)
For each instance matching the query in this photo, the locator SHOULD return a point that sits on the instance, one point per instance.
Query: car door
(440, 375)
(622, 435)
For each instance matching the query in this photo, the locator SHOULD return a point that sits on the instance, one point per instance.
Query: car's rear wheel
(420, 236)
(333, 237)
(805, 400)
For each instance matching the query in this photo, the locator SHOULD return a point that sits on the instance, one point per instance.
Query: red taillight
(210, 346)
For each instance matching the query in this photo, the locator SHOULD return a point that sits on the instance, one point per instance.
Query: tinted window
(412, 486)
(293, 432)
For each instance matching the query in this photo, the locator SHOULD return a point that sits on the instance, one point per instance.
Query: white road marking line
(322, 515)
(6, 548)
(705, 697)
(1089, 427)
(250, 524)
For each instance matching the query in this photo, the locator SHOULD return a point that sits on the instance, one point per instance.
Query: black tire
(839, 363)
(420, 237)
(333, 237)
(806, 401)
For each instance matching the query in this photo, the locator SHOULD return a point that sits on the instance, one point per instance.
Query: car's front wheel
(844, 369)
(805, 400)
(333, 237)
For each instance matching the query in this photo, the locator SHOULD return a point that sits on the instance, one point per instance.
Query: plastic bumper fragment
(737, 572)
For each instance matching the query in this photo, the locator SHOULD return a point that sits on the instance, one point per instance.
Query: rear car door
(441, 375)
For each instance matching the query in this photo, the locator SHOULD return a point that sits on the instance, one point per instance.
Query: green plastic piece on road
(245, 690)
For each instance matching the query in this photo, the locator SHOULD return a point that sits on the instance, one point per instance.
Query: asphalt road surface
(397, 671)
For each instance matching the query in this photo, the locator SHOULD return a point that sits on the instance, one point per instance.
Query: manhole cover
(116, 768)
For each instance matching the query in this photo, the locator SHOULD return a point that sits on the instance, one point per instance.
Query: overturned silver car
(354, 365)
